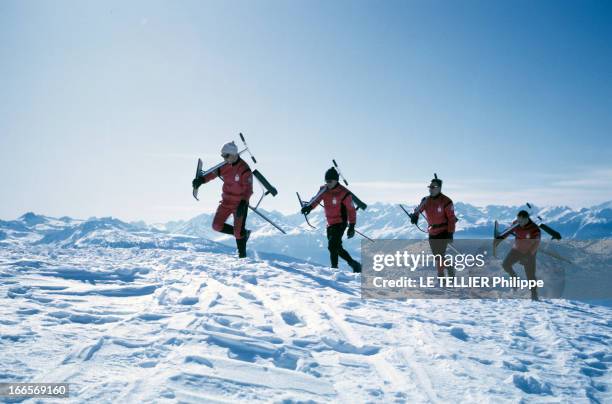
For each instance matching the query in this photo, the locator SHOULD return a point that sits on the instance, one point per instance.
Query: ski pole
(363, 235)
(555, 255)
(410, 216)
(267, 220)
(301, 206)
(247, 147)
(263, 216)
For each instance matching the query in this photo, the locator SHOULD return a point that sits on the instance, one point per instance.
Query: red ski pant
(240, 214)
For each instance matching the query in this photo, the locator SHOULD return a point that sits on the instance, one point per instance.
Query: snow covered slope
(167, 325)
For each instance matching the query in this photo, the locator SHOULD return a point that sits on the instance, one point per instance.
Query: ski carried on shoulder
(497, 240)
(359, 204)
(268, 188)
(200, 173)
(552, 232)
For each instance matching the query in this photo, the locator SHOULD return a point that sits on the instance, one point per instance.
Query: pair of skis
(555, 235)
(497, 241)
(552, 232)
(269, 189)
(200, 173)
(358, 202)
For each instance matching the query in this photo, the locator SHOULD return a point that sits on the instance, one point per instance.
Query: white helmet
(229, 148)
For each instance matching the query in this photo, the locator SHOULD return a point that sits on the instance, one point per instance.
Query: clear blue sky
(106, 105)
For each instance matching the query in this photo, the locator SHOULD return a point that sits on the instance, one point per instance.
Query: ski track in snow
(130, 325)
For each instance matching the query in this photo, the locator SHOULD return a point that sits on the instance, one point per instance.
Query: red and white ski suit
(237, 187)
(527, 239)
(338, 204)
(440, 214)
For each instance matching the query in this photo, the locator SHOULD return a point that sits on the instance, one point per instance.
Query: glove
(414, 218)
(499, 238)
(197, 182)
(351, 231)
(306, 209)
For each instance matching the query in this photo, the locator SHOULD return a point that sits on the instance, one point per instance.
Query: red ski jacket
(527, 239)
(440, 214)
(237, 182)
(338, 204)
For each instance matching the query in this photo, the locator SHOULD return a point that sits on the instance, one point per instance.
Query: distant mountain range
(388, 221)
(382, 221)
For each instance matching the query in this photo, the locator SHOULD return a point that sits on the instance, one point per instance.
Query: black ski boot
(356, 267)
(241, 244)
(451, 272)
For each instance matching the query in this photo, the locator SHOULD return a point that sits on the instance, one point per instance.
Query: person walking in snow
(339, 212)
(237, 190)
(526, 242)
(439, 212)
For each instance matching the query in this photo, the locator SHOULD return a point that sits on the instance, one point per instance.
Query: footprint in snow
(290, 318)
(351, 304)
(151, 316)
(458, 333)
(347, 347)
(189, 300)
(252, 279)
(517, 367)
(249, 296)
(481, 360)
(531, 385)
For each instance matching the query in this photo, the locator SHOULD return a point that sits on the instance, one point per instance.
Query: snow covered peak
(32, 219)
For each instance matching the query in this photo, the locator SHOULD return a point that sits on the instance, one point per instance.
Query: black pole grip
(359, 202)
(266, 184)
(555, 234)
